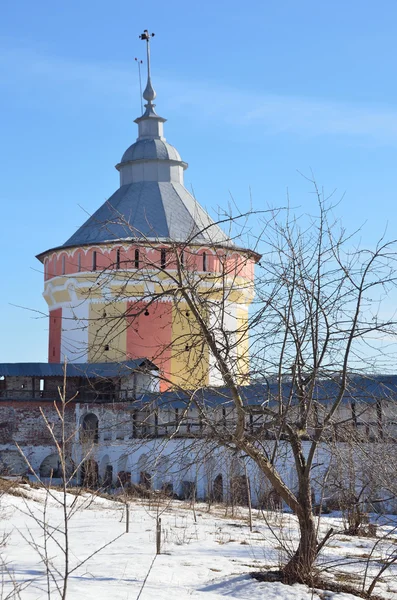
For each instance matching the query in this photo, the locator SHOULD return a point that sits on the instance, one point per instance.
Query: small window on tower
(94, 264)
(63, 264)
(79, 262)
(137, 259)
(163, 258)
(118, 258)
(204, 261)
(182, 258)
(106, 348)
(53, 351)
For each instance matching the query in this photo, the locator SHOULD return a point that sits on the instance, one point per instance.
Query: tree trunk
(300, 567)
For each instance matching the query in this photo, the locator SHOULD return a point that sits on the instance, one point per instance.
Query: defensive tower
(106, 285)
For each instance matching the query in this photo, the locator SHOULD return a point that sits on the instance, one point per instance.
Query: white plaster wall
(183, 462)
(215, 377)
(34, 455)
(74, 336)
(177, 460)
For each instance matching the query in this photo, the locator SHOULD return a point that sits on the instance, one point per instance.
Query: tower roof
(150, 210)
(151, 203)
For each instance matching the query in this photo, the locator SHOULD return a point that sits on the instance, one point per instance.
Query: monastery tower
(106, 286)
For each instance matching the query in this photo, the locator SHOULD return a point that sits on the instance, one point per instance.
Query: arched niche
(90, 429)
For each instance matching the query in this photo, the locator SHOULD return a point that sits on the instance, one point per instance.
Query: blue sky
(254, 93)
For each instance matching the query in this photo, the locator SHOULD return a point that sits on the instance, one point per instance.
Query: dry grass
(347, 577)
(13, 487)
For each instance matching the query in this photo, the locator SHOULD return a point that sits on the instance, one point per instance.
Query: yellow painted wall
(107, 326)
(243, 344)
(189, 366)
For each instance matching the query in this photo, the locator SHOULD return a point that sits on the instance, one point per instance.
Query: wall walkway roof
(90, 370)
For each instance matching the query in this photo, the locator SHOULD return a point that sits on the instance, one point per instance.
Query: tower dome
(150, 149)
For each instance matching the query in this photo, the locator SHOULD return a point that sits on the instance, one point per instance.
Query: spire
(149, 93)
(151, 145)
(150, 124)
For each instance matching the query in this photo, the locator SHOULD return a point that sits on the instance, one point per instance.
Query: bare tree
(317, 324)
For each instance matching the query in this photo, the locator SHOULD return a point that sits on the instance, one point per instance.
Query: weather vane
(146, 35)
(149, 94)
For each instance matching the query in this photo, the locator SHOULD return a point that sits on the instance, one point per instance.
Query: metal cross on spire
(149, 94)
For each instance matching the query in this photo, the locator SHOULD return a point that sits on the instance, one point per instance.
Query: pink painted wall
(107, 258)
(150, 336)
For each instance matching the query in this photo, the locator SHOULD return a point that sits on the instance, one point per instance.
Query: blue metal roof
(90, 370)
(359, 389)
(254, 394)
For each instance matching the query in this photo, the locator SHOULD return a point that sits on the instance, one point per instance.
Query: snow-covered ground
(205, 555)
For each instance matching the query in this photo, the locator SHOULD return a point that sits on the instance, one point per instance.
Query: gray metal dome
(151, 150)
(150, 210)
